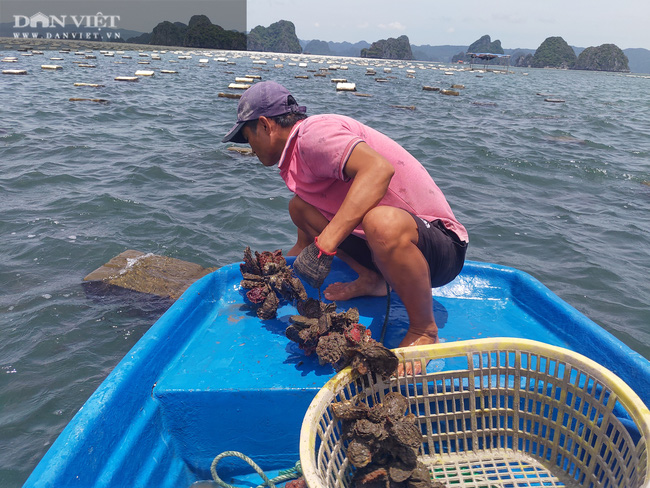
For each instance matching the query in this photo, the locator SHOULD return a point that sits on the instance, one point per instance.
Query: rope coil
(283, 475)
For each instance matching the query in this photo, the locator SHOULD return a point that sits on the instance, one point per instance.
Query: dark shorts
(442, 249)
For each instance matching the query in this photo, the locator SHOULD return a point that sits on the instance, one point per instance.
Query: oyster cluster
(266, 276)
(383, 443)
(339, 339)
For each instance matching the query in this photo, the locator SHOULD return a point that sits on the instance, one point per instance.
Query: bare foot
(415, 339)
(419, 339)
(366, 285)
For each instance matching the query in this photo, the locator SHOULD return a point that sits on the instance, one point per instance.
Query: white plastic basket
(499, 413)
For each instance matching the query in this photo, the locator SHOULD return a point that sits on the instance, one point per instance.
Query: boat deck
(210, 376)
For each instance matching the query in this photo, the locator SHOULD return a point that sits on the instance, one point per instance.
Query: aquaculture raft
(505, 412)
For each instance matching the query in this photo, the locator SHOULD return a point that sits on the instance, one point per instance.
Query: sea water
(559, 190)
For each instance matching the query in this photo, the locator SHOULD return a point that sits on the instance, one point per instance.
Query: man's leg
(393, 237)
(310, 223)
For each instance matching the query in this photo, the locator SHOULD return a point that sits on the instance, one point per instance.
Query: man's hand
(313, 265)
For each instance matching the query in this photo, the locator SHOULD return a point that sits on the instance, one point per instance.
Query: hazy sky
(516, 23)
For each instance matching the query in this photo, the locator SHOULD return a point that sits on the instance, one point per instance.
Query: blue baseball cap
(267, 99)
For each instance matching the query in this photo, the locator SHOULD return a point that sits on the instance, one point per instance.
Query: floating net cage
(495, 413)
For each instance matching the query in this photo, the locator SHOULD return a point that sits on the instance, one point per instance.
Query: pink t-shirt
(316, 153)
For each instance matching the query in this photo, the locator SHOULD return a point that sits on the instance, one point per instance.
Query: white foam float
(93, 85)
(144, 72)
(127, 78)
(51, 66)
(239, 86)
(346, 87)
(14, 72)
(244, 79)
(169, 71)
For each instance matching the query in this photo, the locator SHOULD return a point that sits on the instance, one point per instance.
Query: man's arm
(370, 173)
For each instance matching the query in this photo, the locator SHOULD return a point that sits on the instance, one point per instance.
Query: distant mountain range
(639, 58)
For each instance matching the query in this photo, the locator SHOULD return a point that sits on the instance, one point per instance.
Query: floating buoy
(169, 71)
(14, 72)
(127, 78)
(97, 100)
(93, 85)
(339, 80)
(485, 104)
(86, 65)
(430, 88)
(449, 73)
(259, 61)
(229, 95)
(450, 92)
(381, 80)
(459, 87)
(244, 79)
(51, 66)
(346, 87)
(239, 86)
(10, 59)
(279, 65)
(242, 150)
(362, 94)
(554, 100)
(144, 72)
(143, 62)
(406, 107)
(302, 77)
